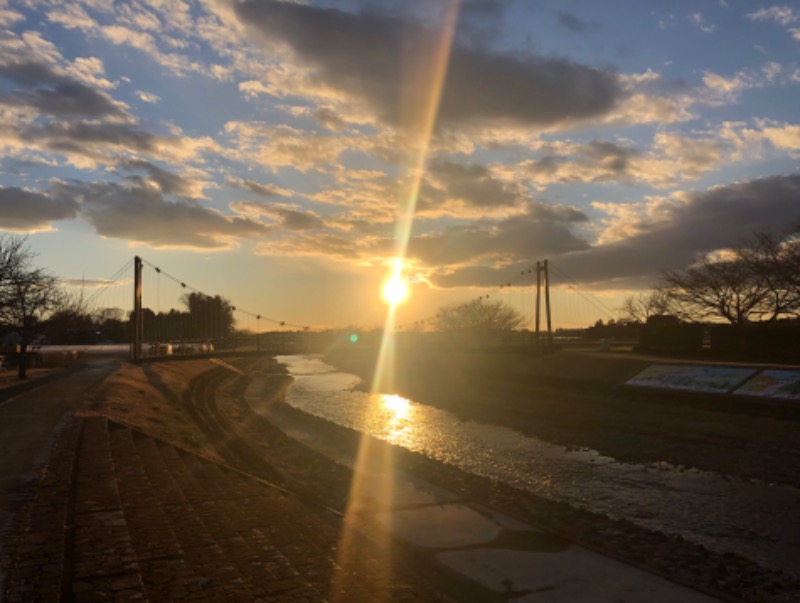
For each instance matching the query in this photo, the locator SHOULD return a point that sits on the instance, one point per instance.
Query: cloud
(135, 27)
(366, 56)
(143, 215)
(751, 140)
(541, 229)
(783, 15)
(698, 21)
(289, 217)
(648, 238)
(9, 17)
(86, 143)
(670, 159)
(50, 85)
(28, 211)
(264, 190)
(148, 97)
(91, 283)
(466, 185)
(169, 183)
(596, 161)
(670, 232)
(67, 100)
(283, 146)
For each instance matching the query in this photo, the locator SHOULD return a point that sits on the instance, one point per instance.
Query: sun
(394, 291)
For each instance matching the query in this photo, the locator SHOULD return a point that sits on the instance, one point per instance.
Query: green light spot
(353, 338)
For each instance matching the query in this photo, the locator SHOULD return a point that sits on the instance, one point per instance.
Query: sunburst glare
(394, 291)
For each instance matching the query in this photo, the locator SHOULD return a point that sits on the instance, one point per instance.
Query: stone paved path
(120, 516)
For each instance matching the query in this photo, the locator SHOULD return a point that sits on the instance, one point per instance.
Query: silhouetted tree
(27, 293)
(638, 308)
(209, 317)
(478, 318)
(756, 282)
(70, 326)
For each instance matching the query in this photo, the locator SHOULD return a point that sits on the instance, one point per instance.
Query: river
(724, 513)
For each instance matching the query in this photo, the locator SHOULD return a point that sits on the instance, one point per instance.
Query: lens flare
(373, 478)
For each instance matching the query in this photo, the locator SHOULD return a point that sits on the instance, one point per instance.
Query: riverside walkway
(101, 511)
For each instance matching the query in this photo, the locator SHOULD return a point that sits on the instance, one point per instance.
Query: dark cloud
(708, 221)
(55, 94)
(29, 72)
(543, 230)
(142, 214)
(264, 190)
(89, 139)
(719, 218)
(300, 220)
(472, 184)
(68, 100)
(329, 119)
(596, 161)
(288, 217)
(168, 182)
(576, 24)
(370, 54)
(25, 211)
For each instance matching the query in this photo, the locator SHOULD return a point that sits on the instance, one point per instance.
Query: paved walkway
(31, 417)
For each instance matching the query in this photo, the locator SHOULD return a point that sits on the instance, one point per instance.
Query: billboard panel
(773, 383)
(689, 377)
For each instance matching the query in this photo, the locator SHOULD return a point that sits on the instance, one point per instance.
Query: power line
(255, 315)
(111, 282)
(592, 299)
(530, 270)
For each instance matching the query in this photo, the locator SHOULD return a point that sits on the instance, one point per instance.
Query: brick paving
(120, 516)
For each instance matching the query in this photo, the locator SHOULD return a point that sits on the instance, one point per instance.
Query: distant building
(112, 314)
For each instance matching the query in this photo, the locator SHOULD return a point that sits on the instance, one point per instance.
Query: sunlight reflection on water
(718, 511)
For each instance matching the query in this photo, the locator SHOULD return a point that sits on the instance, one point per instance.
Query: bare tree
(478, 318)
(775, 261)
(757, 282)
(638, 308)
(27, 293)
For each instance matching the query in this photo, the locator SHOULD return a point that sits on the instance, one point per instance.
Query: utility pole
(547, 306)
(538, 298)
(543, 278)
(138, 327)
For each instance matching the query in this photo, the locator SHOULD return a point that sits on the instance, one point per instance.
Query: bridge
(545, 296)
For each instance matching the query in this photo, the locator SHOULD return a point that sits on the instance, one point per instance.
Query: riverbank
(152, 399)
(673, 552)
(578, 399)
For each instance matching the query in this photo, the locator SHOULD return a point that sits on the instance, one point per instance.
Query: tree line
(34, 306)
(755, 283)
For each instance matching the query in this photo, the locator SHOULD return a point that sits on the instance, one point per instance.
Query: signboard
(690, 377)
(773, 383)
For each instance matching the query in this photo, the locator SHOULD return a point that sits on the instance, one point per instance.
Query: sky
(285, 154)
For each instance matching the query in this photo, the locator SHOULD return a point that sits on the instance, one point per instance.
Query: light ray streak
(373, 478)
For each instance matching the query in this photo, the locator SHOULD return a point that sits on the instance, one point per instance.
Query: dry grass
(149, 397)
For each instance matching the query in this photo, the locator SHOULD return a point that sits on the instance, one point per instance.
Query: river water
(724, 513)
